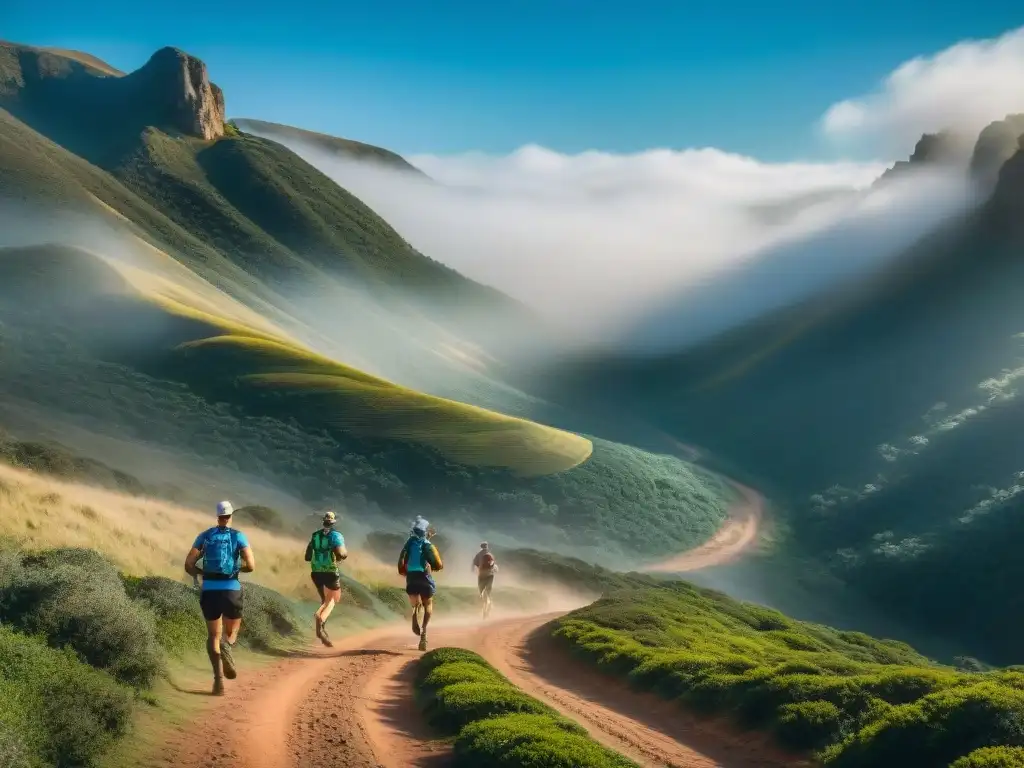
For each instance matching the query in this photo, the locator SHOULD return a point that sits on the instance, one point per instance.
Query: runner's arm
(190, 562)
(434, 557)
(339, 548)
(309, 552)
(403, 559)
(248, 560)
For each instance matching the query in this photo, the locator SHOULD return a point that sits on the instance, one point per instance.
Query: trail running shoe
(415, 622)
(227, 659)
(324, 637)
(218, 686)
(423, 642)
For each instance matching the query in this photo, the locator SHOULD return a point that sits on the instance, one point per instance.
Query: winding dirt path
(738, 534)
(351, 706)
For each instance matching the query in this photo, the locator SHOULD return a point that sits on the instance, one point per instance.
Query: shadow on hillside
(712, 737)
(398, 710)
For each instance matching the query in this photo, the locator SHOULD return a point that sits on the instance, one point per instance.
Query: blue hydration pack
(220, 554)
(417, 558)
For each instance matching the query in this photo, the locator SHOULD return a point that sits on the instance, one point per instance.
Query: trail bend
(351, 706)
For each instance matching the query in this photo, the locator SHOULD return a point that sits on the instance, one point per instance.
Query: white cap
(224, 509)
(420, 524)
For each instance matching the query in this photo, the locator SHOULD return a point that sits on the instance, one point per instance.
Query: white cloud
(591, 239)
(966, 86)
(661, 246)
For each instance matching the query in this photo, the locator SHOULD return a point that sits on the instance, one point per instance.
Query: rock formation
(996, 144)
(177, 89)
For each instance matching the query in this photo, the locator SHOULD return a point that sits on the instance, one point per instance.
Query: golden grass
(146, 536)
(244, 347)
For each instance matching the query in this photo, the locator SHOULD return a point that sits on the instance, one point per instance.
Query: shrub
(992, 757)
(518, 740)
(269, 618)
(496, 723)
(863, 701)
(179, 621)
(75, 599)
(808, 724)
(72, 712)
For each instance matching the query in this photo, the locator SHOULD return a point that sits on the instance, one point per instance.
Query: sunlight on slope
(231, 353)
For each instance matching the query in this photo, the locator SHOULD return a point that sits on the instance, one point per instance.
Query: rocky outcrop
(71, 101)
(996, 144)
(176, 90)
(942, 148)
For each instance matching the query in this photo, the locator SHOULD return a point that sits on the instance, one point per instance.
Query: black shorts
(417, 583)
(221, 603)
(322, 581)
(485, 582)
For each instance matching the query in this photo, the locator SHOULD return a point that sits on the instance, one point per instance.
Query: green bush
(992, 757)
(541, 741)
(75, 599)
(808, 724)
(497, 724)
(269, 618)
(179, 622)
(862, 701)
(458, 704)
(70, 713)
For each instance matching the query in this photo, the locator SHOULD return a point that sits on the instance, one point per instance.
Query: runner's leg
(331, 598)
(213, 633)
(232, 623)
(428, 611)
(415, 602)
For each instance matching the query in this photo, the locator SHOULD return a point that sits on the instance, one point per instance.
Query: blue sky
(436, 76)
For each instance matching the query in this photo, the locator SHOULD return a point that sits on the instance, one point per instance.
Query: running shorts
(221, 603)
(418, 583)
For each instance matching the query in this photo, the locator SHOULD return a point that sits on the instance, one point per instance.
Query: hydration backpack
(323, 553)
(417, 558)
(220, 554)
(488, 561)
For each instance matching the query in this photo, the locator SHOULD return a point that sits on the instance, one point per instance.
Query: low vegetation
(80, 644)
(855, 700)
(262, 408)
(496, 724)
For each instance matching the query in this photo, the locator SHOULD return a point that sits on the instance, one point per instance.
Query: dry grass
(146, 536)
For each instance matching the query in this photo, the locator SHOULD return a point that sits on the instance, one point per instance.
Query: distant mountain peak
(171, 90)
(943, 148)
(180, 83)
(997, 143)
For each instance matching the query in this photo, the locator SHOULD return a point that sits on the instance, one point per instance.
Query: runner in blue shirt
(225, 553)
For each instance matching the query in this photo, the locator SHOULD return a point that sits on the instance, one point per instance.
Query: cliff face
(65, 98)
(176, 89)
(996, 144)
(943, 148)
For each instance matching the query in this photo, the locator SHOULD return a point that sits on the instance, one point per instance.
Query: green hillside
(205, 260)
(852, 699)
(332, 145)
(882, 417)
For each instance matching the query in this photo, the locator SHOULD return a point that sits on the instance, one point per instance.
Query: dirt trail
(352, 705)
(738, 534)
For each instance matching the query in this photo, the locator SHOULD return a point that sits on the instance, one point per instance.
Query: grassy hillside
(211, 328)
(853, 699)
(333, 145)
(268, 373)
(884, 420)
(496, 724)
